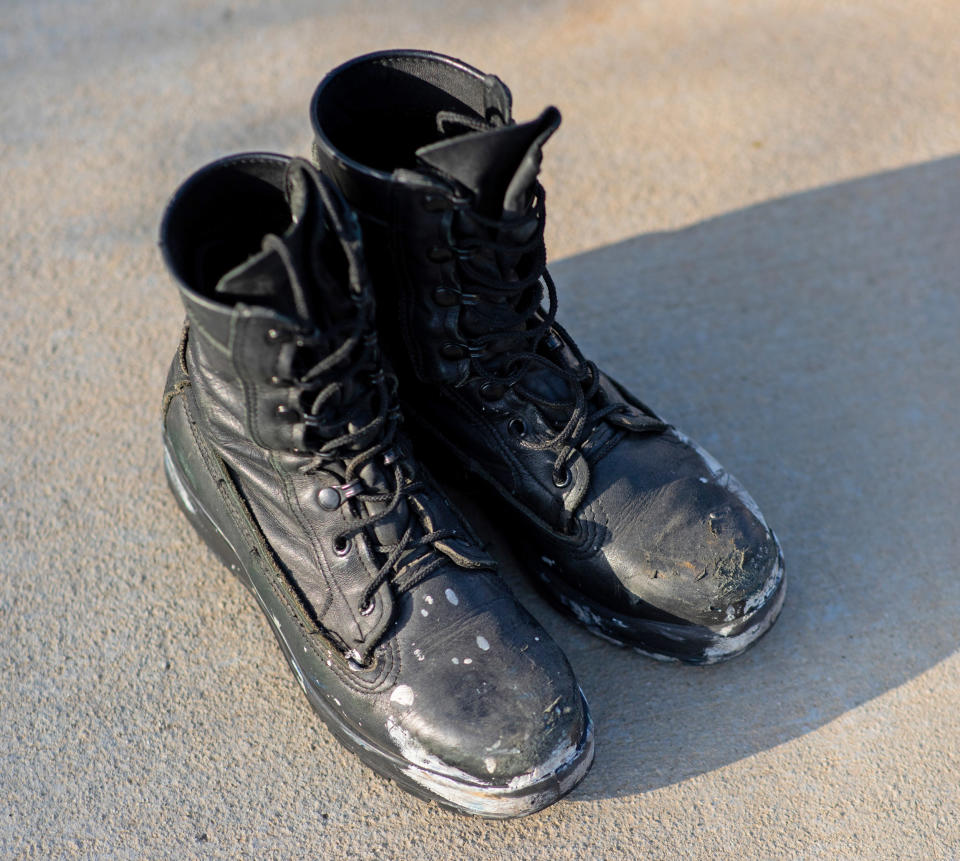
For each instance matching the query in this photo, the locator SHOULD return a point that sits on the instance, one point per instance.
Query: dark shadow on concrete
(811, 343)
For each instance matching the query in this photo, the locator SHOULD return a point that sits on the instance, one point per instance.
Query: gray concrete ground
(754, 222)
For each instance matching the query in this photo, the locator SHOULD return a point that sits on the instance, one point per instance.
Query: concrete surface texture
(754, 221)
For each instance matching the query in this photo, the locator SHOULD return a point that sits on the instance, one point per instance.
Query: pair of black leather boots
(403, 276)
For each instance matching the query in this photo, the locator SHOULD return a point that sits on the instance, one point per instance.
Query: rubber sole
(667, 641)
(461, 794)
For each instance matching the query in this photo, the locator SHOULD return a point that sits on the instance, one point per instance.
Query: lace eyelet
(286, 412)
(368, 608)
(492, 391)
(273, 335)
(341, 545)
(518, 427)
(453, 351)
(564, 480)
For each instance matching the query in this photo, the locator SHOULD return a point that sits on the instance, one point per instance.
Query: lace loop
(503, 263)
(350, 420)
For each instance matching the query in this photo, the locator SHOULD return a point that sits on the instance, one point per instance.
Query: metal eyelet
(451, 350)
(518, 427)
(492, 391)
(552, 342)
(341, 545)
(273, 334)
(368, 608)
(564, 480)
(285, 411)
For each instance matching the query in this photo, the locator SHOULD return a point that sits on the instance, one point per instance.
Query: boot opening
(380, 110)
(218, 220)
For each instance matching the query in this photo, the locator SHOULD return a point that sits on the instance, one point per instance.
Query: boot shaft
(270, 289)
(445, 183)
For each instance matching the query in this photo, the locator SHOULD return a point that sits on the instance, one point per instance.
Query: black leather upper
(442, 666)
(628, 512)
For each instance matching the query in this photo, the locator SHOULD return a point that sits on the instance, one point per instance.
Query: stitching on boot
(246, 523)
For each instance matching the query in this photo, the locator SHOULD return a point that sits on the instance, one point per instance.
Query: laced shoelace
(526, 324)
(337, 442)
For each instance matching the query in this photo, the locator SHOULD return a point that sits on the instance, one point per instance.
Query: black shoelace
(527, 335)
(347, 383)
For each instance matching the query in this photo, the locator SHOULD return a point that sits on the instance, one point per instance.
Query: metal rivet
(517, 427)
(329, 498)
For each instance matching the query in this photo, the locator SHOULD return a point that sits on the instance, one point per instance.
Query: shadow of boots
(811, 344)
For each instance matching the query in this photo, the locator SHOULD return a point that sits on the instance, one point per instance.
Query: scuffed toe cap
(704, 556)
(680, 536)
(484, 699)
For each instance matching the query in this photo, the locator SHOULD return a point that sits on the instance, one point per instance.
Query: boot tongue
(313, 294)
(498, 165)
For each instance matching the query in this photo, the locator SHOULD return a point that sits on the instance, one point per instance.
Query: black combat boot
(622, 520)
(281, 444)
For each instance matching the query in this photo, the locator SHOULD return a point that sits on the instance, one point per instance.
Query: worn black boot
(621, 519)
(281, 444)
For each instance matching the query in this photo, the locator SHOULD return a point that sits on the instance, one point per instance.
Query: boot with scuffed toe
(621, 519)
(283, 448)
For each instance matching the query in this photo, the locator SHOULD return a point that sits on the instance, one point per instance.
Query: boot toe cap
(486, 712)
(675, 557)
